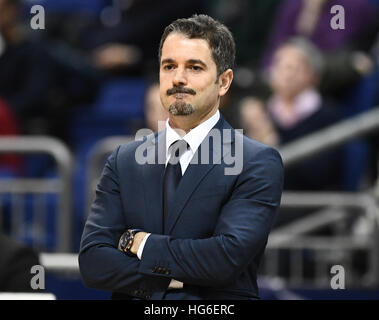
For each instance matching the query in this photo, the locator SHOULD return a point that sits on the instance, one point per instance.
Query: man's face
(188, 77)
(291, 72)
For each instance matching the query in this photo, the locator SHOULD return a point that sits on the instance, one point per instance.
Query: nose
(180, 78)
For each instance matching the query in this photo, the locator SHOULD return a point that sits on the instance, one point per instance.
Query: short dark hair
(218, 36)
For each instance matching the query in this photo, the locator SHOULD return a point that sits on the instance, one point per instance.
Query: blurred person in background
(154, 110)
(24, 74)
(39, 80)
(295, 109)
(15, 265)
(251, 22)
(122, 40)
(346, 50)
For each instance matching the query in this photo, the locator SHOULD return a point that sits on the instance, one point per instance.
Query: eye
(168, 67)
(196, 68)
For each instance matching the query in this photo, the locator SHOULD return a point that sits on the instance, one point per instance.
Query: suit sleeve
(102, 265)
(241, 231)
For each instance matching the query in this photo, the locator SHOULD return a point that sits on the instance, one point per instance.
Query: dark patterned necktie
(172, 174)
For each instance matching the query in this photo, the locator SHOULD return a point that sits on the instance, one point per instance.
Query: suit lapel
(153, 179)
(195, 173)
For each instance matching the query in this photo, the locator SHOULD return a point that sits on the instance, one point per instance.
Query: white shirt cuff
(175, 284)
(141, 246)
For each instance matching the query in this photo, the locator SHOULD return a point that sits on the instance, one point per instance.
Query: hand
(114, 55)
(137, 241)
(256, 121)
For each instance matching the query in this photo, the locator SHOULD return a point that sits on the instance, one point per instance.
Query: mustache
(180, 90)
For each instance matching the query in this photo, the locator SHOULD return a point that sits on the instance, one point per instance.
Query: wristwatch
(126, 241)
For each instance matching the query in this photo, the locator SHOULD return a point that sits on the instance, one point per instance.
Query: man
(149, 236)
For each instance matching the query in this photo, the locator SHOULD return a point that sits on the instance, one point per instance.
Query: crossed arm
(241, 232)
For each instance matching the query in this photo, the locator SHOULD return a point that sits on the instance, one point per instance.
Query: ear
(224, 81)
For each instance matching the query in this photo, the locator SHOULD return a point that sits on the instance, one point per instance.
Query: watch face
(126, 241)
(123, 242)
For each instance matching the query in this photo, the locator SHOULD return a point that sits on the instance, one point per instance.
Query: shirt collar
(195, 136)
(305, 104)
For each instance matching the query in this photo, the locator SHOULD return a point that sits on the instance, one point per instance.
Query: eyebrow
(167, 61)
(197, 61)
(191, 61)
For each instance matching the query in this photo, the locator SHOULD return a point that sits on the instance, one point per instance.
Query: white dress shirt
(194, 138)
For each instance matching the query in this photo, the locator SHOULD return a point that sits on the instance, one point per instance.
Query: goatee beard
(180, 108)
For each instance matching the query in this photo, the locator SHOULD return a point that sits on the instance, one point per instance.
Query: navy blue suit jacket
(215, 233)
